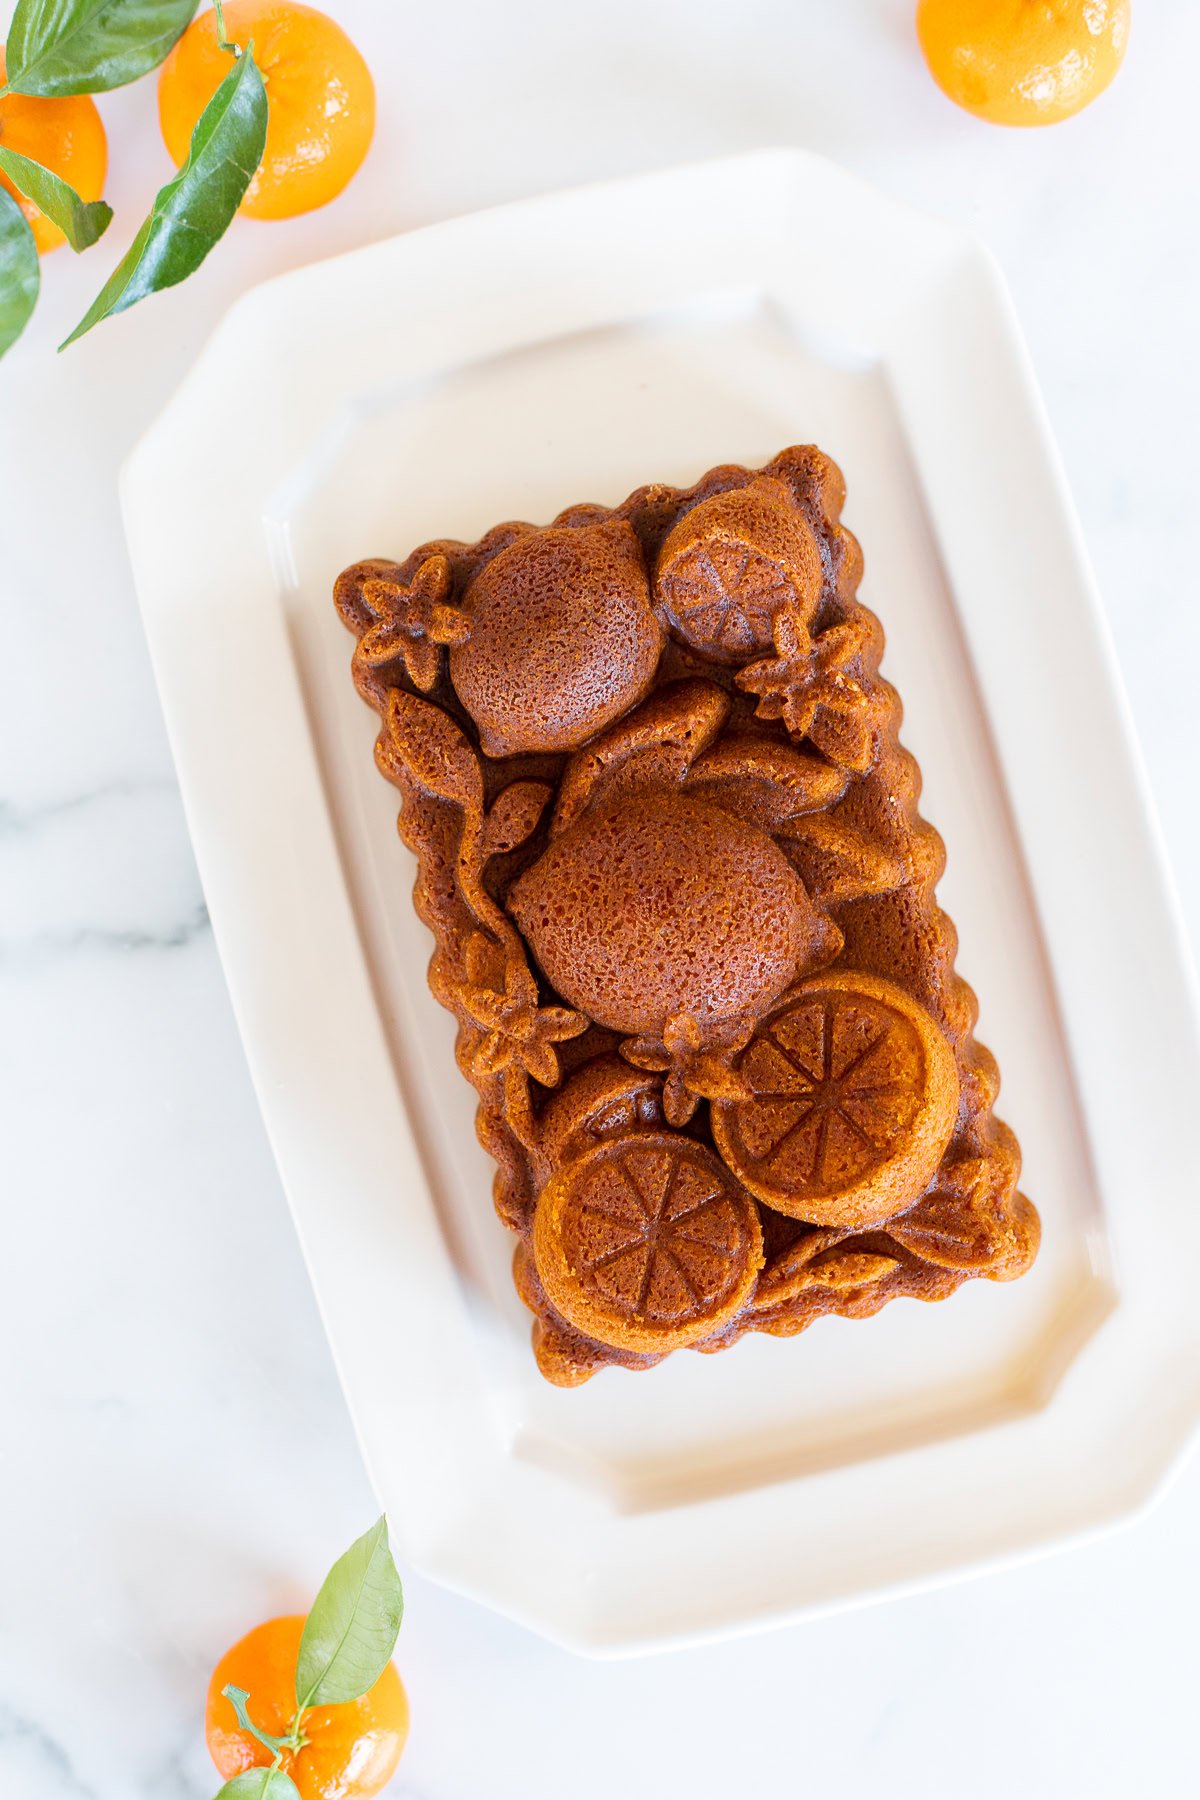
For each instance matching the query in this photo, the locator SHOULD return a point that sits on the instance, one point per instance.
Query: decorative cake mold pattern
(684, 911)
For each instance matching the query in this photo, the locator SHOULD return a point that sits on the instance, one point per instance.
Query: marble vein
(22, 821)
(107, 868)
(173, 937)
(26, 1744)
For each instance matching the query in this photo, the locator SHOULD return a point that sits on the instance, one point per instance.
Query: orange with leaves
(347, 1752)
(320, 100)
(311, 1708)
(65, 136)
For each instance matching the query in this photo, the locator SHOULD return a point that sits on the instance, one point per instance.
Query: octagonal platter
(571, 348)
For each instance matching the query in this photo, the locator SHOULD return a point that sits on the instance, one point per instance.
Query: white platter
(507, 365)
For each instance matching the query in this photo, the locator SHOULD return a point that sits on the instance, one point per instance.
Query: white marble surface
(178, 1459)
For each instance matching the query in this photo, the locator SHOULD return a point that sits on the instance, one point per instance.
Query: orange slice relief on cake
(647, 1243)
(854, 1098)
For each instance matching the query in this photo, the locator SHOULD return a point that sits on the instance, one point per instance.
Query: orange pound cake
(668, 846)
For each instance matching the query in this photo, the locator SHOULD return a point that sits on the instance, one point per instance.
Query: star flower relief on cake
(413, 622)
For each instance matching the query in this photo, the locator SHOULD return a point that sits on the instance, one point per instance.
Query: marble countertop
(179, 1461)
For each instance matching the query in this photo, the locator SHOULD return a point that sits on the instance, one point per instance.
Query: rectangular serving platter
(570, 348)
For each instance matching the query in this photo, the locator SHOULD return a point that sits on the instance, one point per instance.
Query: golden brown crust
(853, 1097)
(739, 706)
(647, 1242)
(558, 638)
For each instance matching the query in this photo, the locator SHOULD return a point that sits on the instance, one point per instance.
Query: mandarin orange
(320, 100)
(65, 136)
(349, 1751)
(1023, 62)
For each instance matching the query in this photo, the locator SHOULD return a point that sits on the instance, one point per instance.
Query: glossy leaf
(260, 1784)
(58, 47)
(82, 221)
(351, 1631)
(194, 209)
(19, 272)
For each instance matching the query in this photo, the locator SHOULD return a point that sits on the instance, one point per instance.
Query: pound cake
(683, 903)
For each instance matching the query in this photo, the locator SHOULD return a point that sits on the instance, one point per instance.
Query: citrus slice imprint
(646, 1242)
(731, 563)
(855, 1094)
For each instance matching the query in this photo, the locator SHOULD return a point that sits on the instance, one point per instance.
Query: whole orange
(1023, 62)
(65, 136)
(320, 100)
(351, 1750)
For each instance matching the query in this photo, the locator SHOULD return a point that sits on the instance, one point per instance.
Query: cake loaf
(684, 913)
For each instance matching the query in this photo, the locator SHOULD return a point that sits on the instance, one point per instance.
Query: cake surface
(683, 905)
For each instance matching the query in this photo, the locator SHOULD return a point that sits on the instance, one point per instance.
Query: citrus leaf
(260, 1784)
(58, 47)
(19, 272)
(82, 221)
(351, 1631)
(194, 209)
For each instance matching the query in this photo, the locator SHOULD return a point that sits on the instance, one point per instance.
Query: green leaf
(194, 209)
(351, 1631)
(58, 47)
(237, 1698)
(19, 272)
(83, 221)
(260, 1784)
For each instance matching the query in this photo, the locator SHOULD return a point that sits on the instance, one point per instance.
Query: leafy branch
(346, 1644)
(59, 48)
(197, 207)
(81, 222)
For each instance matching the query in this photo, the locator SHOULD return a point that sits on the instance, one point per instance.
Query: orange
(351, 1750)
(320, 100)
(1023, 62)
(65, 136)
